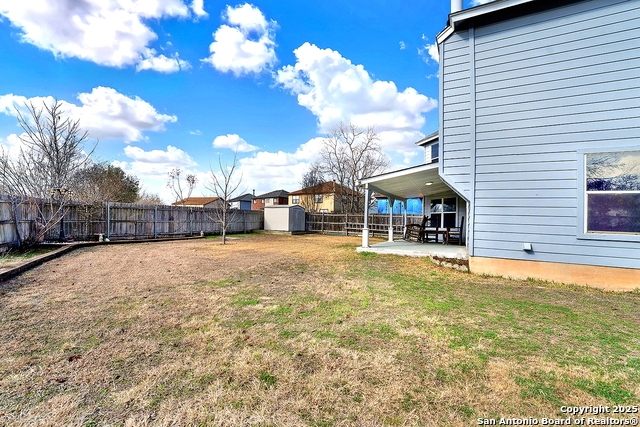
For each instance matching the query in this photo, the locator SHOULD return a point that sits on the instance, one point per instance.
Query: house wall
(542, 88)
(260, 203)
(456, 113)
(307, 201)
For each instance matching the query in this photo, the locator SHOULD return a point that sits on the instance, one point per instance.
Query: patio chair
(454, 235)
(415, 231)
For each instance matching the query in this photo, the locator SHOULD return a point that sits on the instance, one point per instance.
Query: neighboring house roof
(324, 188)
(428, 139)
(195, 201)
(272, 194)
(244, 198)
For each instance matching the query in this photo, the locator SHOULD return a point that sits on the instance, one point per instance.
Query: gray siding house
(538, 100)
(540, 134)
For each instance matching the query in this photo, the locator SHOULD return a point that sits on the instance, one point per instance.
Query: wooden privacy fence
(354, 223)
(115, 220)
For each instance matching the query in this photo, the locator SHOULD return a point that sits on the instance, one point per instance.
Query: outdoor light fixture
(428, 183)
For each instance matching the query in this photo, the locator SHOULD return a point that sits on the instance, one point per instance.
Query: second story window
(434, 152)
(295, 199)
(317, 198)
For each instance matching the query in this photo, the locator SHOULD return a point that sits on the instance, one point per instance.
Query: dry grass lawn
(300, 331)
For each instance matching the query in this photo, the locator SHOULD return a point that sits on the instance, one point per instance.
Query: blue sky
(176, 83)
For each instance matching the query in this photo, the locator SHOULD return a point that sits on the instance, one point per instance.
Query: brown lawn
(300, 331)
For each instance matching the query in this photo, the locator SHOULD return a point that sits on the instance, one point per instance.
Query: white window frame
(582, 233)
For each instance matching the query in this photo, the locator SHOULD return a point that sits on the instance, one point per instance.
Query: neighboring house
(539, 134)
(200, 202)
(328, 197)
(273, 198)
(242, 203)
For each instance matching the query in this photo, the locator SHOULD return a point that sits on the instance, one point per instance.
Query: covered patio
(420, 181)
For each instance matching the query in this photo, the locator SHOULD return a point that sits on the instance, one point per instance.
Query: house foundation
(608, 278)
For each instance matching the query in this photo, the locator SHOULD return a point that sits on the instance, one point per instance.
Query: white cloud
(196, 132)
(267, 171)
(173, 156)
(233, 142)
(431, 51)
(335, 90)
(104, 113)
(11, 145)
(162, 63)
(112, 33)
(152, 168)
(246, 45)
(197, 6)
(402, 46)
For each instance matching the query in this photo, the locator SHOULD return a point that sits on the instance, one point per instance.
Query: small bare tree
(349, 154)
(47, 165)
(181, 191)
(224, 185)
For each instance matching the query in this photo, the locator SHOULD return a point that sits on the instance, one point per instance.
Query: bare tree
(314, 176)
(181, 191)
(349, 154)
(145, 198)
(224, 185)
(50, 157)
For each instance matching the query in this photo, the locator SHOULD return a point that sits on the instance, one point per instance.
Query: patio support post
(404, 218)
(365, 230)
(391, 202)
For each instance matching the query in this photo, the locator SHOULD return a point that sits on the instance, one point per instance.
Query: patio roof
(407, 183)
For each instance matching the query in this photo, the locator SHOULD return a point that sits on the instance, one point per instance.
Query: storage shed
(288, 218)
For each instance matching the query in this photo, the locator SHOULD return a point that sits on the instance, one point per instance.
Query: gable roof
(195, 201)
(244, 198)
(272, 194)
(324, 188)
(428, 139)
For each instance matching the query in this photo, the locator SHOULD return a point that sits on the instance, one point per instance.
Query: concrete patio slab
(402, 247)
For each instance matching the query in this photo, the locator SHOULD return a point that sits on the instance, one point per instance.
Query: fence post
(155, 222)
(346, 224)
(322, 223)
(244, 221)
(15, 212)
(108, 220)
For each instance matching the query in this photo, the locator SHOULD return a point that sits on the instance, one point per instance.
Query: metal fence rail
(115, 220)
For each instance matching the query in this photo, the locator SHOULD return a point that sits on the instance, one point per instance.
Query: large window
(295, 199)
(317, 198)
(443, 211)
(613, 192)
